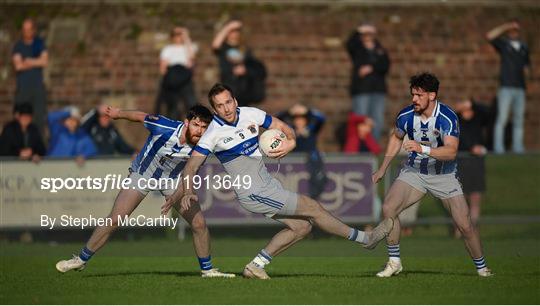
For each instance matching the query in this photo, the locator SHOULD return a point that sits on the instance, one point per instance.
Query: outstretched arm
(116, 113)
(394, 145)
(501, 29)
(222, 34)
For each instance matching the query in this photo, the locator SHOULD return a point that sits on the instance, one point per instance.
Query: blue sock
(205, 263)
(393, 251)
(480, 263)
(85, 254)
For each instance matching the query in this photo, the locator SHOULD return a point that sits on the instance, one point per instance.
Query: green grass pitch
(319, 270)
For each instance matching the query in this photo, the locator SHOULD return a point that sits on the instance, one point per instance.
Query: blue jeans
(510, 98)
(371, 105)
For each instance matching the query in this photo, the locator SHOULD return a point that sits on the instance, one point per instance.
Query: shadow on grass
(158, 273)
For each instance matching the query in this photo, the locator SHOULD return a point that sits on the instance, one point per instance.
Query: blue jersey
(431, 132)
(162, 155)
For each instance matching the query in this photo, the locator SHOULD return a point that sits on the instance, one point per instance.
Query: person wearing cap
(29, 57)
(368, 78)
(67, 139)
(21, 137)
(515, 65)
(239, 68)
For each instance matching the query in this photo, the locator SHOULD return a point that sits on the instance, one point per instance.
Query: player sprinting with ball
(233, 137)
(433, 132)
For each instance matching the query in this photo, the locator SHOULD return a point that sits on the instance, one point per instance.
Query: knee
(389, 211)
(301, 230)
(467, 230)
(198, 224)
(114, 221)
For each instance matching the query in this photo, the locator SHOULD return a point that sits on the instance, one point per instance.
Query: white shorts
(140, 183)
(442, 186)
(270, 200)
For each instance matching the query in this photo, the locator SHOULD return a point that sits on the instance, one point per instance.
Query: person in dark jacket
(515, 67)
(106, 137)
(370, 66)
(21, 137)
(474, 120)
(307, 124)
(67, 139)
(239, 68)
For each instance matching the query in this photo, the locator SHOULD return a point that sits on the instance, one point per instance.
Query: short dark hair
(24, 108)
(201, 112)
(426, 81)
(216, 90)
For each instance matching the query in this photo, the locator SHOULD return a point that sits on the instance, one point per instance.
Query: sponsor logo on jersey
(436, 133)
(228, 139)
(252, 129)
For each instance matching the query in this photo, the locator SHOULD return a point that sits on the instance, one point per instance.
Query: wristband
(426, 150)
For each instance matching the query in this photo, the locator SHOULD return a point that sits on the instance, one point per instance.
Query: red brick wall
(117, 60)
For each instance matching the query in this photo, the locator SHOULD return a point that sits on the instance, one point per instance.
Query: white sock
(358, 236)
(262, 259)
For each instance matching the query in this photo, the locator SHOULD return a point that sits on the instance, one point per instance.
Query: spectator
(105, 136)
(307, 124)
(29, 57)
(515, 64)
(239, 69)
(370, 66)
(474, 122)
(359, 135)
(21, 137)
(67, 139)
(176, 68)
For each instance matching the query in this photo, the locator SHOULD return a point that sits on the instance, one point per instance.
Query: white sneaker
(485, 272)
(215, 273)
(379, 233)
(392, 268)
(74, 263)
(253, 271)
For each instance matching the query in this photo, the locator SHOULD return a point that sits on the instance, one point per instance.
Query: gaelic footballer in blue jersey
(432, 129)
(233, 136)
(164, 155)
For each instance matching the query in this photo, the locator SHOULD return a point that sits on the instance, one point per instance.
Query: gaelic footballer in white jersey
(164, 155)
(233, 137)
(433, 132)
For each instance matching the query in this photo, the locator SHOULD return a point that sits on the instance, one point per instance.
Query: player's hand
(112, 112)
(412, 146)
(377, 176)
(169, 202)
(186, 201)
(286, 146)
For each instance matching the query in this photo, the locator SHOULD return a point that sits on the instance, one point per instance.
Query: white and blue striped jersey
(162, 155)
(443, 122)
(229, 141)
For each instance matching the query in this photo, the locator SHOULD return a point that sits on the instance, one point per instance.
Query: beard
(192, 139)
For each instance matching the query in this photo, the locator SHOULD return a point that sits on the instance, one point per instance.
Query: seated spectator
(359, 135)
(239, 68)
(307, 124)
(21, 137)
(105, 136)
(67, 139)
